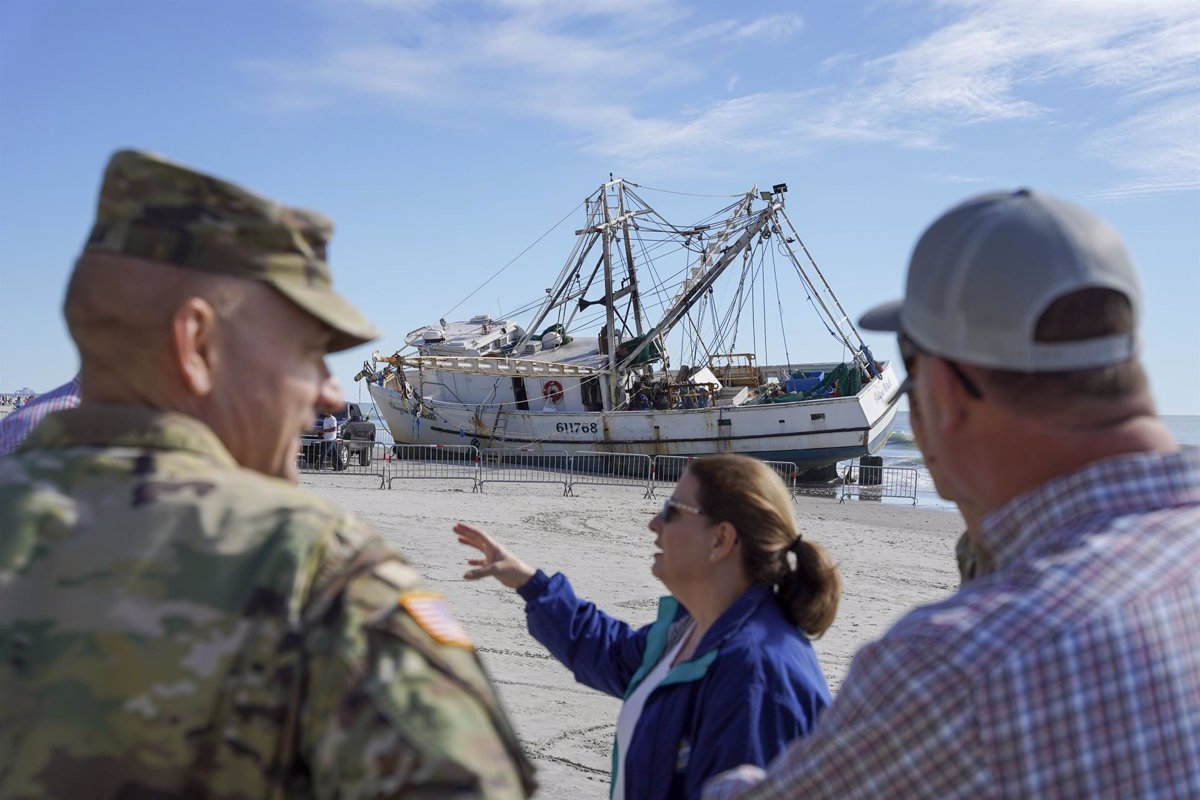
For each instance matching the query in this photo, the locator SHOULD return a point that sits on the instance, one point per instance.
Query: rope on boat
(779, 302)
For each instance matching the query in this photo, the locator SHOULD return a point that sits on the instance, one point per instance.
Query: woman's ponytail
(809, 587)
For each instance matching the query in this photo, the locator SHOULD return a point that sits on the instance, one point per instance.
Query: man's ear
(951, 400)
(194, 349)
(725, 539)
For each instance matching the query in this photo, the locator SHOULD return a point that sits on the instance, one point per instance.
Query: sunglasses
(909, 350)
(669, 506)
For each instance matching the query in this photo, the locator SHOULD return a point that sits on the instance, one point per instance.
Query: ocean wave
(893, 459)
(901, 437)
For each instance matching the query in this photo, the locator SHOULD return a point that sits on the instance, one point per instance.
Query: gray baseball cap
(983, 273)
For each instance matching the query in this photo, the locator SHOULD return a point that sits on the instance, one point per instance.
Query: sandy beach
(892, 558)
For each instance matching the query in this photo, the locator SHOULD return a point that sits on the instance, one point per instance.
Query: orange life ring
(552, 391)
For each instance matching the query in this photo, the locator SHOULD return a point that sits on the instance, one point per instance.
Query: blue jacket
(752, 686)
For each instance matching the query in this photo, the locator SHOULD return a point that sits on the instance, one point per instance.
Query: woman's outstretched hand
(496, 560)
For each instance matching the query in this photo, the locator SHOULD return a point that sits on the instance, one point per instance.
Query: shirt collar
(1114, 487)
(102, 425)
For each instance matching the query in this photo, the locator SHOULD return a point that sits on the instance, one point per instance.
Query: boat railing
(494, 366)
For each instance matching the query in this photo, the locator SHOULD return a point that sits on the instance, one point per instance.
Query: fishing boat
(588, 365)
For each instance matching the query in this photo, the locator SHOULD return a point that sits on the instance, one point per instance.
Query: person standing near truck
(329, 432)
(359, 434)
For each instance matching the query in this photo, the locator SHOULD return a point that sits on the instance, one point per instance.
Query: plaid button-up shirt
(1071, 671)
(17, 425)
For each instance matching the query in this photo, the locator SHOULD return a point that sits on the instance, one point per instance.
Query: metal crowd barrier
(498, 465)
(367, 458)
(594, 468)
(787, 472)
(585, 468)
(875, 482)
(312, 457)
(358, 458)
(667, 470)
(439, 462)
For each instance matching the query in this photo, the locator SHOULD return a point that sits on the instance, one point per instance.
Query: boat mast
(610, 326)
(635, 298)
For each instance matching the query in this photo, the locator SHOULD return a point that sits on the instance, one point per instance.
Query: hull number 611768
(576, 427)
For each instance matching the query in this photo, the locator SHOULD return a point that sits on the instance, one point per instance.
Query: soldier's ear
(193, 344)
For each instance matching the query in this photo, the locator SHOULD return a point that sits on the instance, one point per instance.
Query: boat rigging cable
(656, 238)
(779, 303)
(512, 261)
(684, 194)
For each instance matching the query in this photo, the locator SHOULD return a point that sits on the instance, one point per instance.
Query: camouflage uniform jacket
(174, 625)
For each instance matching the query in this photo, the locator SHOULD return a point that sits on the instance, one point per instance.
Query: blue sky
(444, 137)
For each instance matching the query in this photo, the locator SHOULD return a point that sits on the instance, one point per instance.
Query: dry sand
(892, 558)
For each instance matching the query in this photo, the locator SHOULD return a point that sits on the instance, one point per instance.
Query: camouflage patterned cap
(155, 209)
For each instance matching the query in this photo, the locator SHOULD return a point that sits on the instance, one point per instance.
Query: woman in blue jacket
(725, 675)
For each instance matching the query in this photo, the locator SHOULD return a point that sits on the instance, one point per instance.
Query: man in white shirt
(329, 429)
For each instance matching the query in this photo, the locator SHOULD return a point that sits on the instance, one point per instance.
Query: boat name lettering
(576, 427)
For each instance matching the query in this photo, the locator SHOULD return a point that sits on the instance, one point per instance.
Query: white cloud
(836, 61)
(1003, 60)
(1159, 147)
(777, 28)
(397, 5)
(977, 67)
(640, 79)
(958, 179)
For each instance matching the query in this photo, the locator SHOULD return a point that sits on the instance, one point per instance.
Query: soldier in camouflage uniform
(177, 618)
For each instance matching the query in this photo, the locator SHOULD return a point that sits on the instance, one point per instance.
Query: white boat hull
(810, 433)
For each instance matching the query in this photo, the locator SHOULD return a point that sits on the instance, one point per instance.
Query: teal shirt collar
(671, 612)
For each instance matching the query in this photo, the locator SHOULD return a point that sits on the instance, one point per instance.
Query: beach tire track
(576, 689)
(538, 750)
(575, 765)
(517, 653)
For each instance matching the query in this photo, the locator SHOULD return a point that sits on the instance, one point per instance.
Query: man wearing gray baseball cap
(1072, 668)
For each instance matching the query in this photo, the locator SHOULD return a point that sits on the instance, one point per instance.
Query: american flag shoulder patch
(428, 610)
